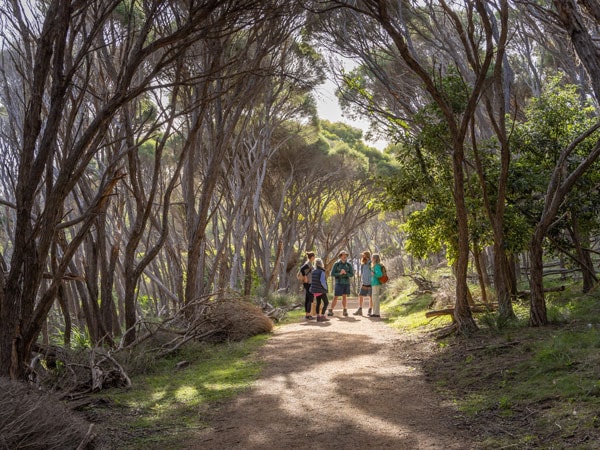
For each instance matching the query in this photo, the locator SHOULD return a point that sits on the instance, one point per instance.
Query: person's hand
(342, 272)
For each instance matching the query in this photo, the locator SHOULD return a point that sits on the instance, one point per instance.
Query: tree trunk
(462, 313)
(537, 304)
(502, 281)
(581, 242)
(248, 261)
(130, 302)
(64, 307)
(479, 266)
(108, 264)
(587, 51)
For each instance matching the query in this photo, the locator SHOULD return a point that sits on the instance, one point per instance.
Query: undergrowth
(517, 386)
(167, 404)
(172, 398)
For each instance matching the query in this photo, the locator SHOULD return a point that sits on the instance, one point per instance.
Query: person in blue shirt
(365, 280)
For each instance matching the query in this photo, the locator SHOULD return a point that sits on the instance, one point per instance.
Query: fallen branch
(447, 331)
(423, 283)
(552, 289)
(494, 347)
(89, 437)
(450, 311)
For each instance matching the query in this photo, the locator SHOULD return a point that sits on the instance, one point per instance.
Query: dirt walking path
(350, 383)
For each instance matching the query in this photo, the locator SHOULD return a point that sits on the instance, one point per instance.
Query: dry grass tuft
(238, 319)
(31, 419)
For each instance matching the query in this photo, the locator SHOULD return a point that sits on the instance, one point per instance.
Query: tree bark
(480, 267)
(537, 304)
(462, 313)
(588, 53)
(584, 260)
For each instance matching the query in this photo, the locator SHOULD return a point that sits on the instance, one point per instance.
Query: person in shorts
(342, 271)
(365, 279)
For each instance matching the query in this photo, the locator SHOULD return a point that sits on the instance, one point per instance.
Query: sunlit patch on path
(350, 383)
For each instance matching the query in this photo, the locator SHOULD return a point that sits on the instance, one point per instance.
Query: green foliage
(341, 131)
(426, 231)
(554, 121)
(147, 149)
(278, 299)
(424, 175)
(80, 338)
(129, 10)
(492, 320)
(456, 92)
(346, 141)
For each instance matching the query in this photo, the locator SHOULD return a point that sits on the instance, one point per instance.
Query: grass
(516, 386)
(166, 405)
(407, 311)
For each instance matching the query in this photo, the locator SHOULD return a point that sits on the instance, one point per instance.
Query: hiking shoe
(309, 318)
(345, 312)
(330, 313)
(358, 312)
(322, 319)
(369, 312)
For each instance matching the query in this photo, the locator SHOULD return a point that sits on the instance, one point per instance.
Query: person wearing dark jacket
(319, 288)
(306, 270)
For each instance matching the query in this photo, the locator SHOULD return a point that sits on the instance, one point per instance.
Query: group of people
(316, 288)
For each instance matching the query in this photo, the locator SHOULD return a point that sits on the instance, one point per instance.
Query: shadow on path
(344, 384)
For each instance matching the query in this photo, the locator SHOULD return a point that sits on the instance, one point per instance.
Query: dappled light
(347, 384)
(174, 211)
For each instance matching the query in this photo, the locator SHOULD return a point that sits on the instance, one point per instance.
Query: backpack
(383, 278)
(301, 277)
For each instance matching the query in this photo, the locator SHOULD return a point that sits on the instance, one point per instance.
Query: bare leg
(333, 303)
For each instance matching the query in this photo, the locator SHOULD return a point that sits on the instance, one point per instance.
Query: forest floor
(349, 383)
